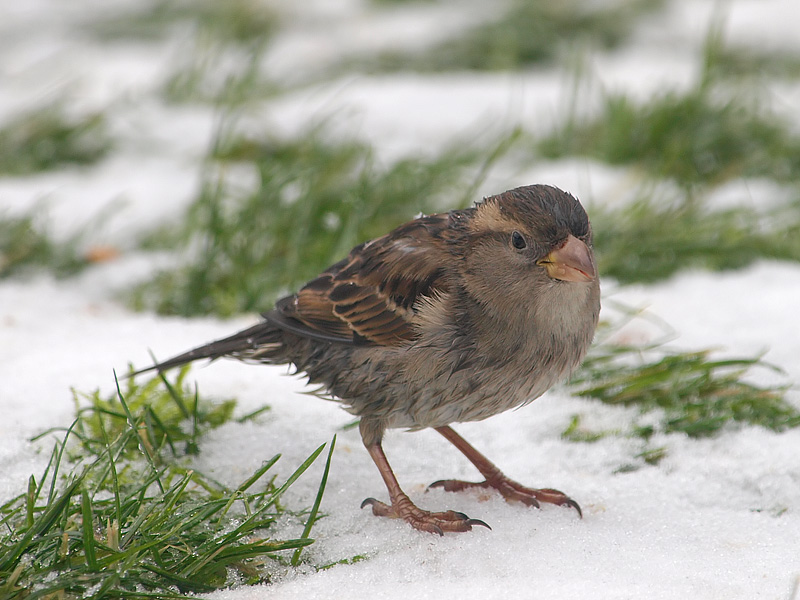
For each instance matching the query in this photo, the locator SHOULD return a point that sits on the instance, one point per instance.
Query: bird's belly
(476, 396)
(423, 387)
(428, 392)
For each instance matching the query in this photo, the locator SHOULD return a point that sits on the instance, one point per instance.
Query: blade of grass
(57, 462)
(30, 501)
(88, 531)
(7, 588)
(251, 416)
(173, 393)
(54, 511)
(312, 516)
(294, 476)
(247, 483)
(135, 428)
(112, 463)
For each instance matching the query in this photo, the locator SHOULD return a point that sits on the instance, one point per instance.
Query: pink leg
(402, 508)
(511, 490)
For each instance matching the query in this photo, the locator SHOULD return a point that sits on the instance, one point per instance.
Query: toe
(423, 520)
(456, 485)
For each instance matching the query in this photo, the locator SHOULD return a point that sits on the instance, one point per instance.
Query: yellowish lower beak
(572, 261)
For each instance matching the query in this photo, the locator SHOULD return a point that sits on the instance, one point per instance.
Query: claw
(472, 522)
(571, 503)
(510, 490)
(401, 506)
(423, 520)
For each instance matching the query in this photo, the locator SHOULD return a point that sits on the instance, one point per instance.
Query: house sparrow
(451, 317)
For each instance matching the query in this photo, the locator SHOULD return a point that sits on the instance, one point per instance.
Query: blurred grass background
(319, 194)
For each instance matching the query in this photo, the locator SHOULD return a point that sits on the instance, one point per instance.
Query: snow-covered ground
(717, 518)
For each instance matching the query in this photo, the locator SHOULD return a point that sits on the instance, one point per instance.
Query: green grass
(699, 395)
(530, 32)
(222, 63)
(315, 199)
(401, 2)
(212, 73)
(234, 21)
(751, 66)
(693, 138)
(747, 63)
(714, 132)
(170, 413)
(25, 245)
(117, 512)
(46, 138)
(650, 240)
(692, 392)
(576, 432)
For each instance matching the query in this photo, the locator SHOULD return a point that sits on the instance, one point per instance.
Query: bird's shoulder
(370, 296)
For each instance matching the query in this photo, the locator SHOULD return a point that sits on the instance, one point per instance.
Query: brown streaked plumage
(449, 318)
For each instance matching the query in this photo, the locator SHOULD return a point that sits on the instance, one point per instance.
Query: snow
(717, 518)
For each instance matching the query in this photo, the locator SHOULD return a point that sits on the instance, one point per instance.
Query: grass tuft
(741, 62)
(239, 21)
(222, 63)
(530, 32)
(712, 133)
(25, 244)
(576, 432)
(691, 391)
(697, 394)
(216, 74)
(46, 138)
(172, 415)
(648, 240)
(692, 138)
(129, 520)
(312, 515)
(314, 200)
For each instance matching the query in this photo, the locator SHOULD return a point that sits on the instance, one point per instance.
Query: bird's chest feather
(499, 365)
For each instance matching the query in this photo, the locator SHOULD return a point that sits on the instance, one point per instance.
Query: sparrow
(451, 317)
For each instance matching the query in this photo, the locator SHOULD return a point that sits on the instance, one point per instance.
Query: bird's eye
(518, 241)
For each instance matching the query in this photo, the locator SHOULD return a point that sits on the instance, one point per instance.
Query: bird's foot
(512, 492)
(422, 520)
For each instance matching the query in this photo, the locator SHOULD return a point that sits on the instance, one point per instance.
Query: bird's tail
(257, 343)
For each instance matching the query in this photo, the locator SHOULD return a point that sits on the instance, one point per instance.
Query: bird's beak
(571, 261)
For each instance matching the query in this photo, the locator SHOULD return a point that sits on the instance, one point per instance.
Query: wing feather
(370, 296)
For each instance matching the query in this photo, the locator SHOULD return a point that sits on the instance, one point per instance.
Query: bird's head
(528, 244)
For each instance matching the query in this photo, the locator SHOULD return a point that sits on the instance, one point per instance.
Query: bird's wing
(369, 297)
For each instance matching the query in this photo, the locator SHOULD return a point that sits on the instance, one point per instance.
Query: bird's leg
(511, 490)
(402, 508)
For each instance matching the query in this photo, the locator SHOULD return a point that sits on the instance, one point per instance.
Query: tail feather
(245, 343)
